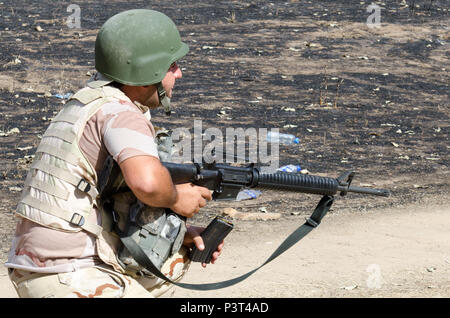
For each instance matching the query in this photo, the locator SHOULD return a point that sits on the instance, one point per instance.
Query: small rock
(39, 29)
(24, 148)
(230, 212)
(10, 132)
(259, 216)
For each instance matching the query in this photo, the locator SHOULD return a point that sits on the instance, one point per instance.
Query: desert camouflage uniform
(98, 281)
(59, 253)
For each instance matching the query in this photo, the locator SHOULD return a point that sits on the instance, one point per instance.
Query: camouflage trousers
(98, 281)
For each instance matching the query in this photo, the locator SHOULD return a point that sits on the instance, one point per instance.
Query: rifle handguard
(298, 182)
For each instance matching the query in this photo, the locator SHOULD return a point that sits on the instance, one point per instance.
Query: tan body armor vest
(60, 188)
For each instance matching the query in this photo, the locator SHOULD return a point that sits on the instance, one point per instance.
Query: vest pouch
(157, 231)
(164, 144)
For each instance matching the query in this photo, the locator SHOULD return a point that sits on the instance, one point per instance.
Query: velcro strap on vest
(58, 153)
(86, 96)
(66, 117)
(53, 190)
(65, 135)
(80, 184)
(71, 217)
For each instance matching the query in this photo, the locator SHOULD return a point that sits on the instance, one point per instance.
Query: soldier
(65, 244)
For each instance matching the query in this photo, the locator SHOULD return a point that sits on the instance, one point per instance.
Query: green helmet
(137, 47)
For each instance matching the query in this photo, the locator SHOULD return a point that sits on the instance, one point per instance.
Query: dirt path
(401, 252)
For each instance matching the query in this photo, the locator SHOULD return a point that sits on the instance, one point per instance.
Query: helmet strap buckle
(164, 100)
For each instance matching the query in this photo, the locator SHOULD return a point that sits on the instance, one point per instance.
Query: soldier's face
(174, 73)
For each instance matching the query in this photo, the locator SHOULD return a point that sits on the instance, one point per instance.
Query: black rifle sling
(313, 221)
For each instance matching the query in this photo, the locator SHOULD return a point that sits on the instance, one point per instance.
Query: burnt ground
(370, 99)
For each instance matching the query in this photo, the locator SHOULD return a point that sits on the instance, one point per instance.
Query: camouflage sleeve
(128, 133)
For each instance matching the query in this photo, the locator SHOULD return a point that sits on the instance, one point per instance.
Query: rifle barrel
(379, 192)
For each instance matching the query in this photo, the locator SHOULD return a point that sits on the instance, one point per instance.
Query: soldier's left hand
(192, 237)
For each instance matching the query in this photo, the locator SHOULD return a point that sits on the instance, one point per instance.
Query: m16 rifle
(226, 181)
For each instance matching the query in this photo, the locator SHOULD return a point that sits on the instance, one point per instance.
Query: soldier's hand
(190, 198)
(193, 237)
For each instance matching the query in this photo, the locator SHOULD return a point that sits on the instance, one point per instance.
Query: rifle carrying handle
(212, 236)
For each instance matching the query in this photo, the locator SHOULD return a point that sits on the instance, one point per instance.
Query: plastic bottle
(290, 168)
(247, 194)
(286, 139)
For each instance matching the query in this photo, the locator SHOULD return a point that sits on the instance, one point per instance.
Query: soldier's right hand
(190, 198)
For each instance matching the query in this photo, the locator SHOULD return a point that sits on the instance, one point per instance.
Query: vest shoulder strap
(87, 95)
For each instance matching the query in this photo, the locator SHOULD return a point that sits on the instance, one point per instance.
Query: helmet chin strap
(164, 100)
